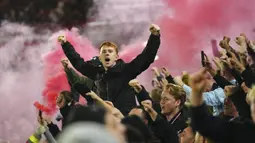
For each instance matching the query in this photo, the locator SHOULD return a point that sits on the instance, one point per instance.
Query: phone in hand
(203, 58)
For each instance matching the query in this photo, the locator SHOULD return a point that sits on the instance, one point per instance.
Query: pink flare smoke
(195, 23)
(183, 36)
(192, 26)
(55, 76)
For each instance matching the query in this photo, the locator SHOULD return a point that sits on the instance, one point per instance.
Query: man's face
(187, 136)
(168, 104)
(108, 56)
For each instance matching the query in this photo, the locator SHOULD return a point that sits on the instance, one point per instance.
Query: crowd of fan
(63, 12)
(216, 104)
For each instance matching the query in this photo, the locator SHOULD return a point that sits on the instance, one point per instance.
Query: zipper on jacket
(107, 94)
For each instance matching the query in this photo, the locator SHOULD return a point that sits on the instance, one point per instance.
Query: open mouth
(107, 59)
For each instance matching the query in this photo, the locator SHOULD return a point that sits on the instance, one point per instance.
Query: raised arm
(144, 60)
(217, 129)
(78, 63)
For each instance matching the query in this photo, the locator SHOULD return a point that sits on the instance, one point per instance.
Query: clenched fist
(147, 104)
(61, 39)
(198, 81)
(154, 29)
(135, 85)
(64, 63)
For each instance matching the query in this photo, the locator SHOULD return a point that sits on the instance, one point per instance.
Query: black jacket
(220, 130)
(112, 84)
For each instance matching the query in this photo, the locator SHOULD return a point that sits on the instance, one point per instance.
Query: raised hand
(155, 71)
(225, 43)
(243, 59)
(92, 94)
(178, 80)
(61, 39)
(217, 63)
(154, 29)
(229, 90)
(163, 82)
(242, 41)
(64, 62)
(209, 67)
(135, 85)
(198, 81)
(165, 71)
(237, 65)
(147, 104)
(198, 84)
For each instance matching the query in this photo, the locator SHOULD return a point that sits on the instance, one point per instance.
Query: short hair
(67, 95)
(109, 44)
(177, 92)
(156, 94)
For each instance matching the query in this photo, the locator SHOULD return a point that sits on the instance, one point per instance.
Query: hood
(118, 67)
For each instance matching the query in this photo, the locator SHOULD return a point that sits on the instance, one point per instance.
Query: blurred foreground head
(97, 115)
(86, 132)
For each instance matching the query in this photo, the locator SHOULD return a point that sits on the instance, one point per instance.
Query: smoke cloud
(186, 29)
(193, 24)
(21, 79)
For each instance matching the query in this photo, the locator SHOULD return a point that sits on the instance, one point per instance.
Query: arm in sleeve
(78, 63)
(143, 95)
(207, 125)
(164, 130)
(170, 79)
(239, 100)
(144, 60)
(221, 81)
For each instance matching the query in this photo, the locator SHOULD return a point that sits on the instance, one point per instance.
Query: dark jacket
(220, 130)
(112, 84)
(167, 131)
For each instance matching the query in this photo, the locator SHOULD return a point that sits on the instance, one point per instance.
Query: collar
(176, 116)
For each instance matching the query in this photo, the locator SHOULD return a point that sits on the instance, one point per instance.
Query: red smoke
(196, 22)
(184, 33)
(192, 26)
(55, 77)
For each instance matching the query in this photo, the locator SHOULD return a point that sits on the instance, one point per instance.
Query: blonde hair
(177, 92)
(156, 94)
(109, 44)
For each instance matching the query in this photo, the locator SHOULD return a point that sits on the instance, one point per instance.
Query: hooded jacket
(112, 85)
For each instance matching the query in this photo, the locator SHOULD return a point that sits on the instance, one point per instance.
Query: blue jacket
(213, 98)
